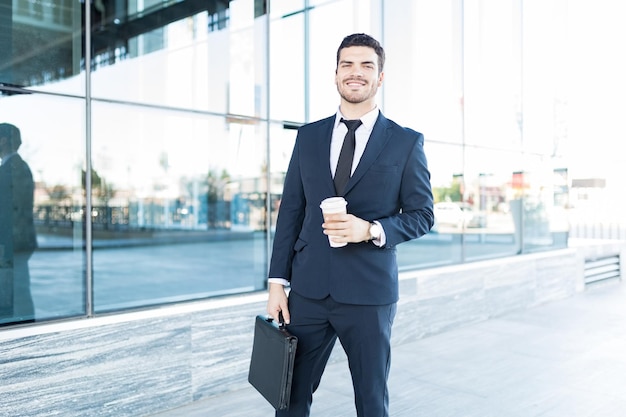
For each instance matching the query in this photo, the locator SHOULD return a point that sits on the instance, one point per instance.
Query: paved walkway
(563, 359)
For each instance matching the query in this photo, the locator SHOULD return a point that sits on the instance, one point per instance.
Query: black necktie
(344, 165)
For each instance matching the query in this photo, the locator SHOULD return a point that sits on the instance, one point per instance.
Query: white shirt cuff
(281, 281)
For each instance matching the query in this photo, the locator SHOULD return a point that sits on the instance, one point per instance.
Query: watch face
(374, 231)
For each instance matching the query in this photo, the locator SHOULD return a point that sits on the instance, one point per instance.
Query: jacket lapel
(323, 152)
(381, 133)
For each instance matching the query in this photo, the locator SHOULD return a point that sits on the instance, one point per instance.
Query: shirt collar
(368, 118)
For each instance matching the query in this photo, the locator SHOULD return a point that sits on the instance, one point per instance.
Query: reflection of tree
(451, 193)
(102, 193)
(59, 193)
(99, 186)
(215, 196)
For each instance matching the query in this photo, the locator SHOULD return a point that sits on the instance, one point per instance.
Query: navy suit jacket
(391, 184)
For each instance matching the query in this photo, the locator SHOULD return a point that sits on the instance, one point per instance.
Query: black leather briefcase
(271, 364)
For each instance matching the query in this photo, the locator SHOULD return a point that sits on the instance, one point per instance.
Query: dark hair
(12, 133)
(361, 39)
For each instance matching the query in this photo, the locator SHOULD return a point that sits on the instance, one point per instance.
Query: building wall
(158, 168)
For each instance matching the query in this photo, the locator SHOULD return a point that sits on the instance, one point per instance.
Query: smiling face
(358, 77)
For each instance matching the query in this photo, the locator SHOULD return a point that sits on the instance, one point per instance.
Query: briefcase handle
(281, 320)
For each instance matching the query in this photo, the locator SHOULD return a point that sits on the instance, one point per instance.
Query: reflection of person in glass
(17, 231)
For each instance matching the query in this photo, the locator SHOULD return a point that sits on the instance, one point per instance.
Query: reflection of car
(473, 218)
(450, 214)
(457, 214)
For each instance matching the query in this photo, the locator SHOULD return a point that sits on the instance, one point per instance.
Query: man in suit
(348, 292)
(17, 231)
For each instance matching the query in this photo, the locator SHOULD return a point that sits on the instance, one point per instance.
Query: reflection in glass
(542, 206)
(52, 135)
(492, 75)
(282, 140)
(444, 244)
(489, 201)
(179, 206)
(427, 98)
(282, 8)
(181, 102)
(18, 240)
(287, 82)
(329, 24)
(199, 55)
(40, 43)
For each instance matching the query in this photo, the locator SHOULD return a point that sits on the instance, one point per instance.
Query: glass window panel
(248, 60)
(545, 65)
(287, 75)
(179, 206)
(40, 45)
(49, 282)
(492, 200)
(179, 197)
(443, 245)
(427, 97)
(492, 74)
(281, 8)
(329, 24)
(282, 141)
(209, 60)
(544, 219)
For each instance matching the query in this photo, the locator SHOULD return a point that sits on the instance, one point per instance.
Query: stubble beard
(358, 97)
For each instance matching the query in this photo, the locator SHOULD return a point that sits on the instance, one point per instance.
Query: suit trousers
(364, 332)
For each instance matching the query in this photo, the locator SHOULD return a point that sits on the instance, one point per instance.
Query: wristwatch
(375, 231)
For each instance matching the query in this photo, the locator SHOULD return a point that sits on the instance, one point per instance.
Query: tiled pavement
(562, 359)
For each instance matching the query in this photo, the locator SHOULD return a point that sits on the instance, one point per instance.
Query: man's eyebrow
(347, 61)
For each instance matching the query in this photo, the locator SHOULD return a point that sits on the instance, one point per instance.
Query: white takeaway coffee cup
(333, 205)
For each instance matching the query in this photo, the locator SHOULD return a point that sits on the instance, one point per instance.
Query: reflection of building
(561, 188)
(39, 33)
(249, 205)
(238, 204)
(44, 32)
(587, 189)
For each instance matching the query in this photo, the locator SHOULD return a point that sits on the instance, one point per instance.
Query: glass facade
(157, 134)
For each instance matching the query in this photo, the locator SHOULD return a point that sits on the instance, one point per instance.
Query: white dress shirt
(362, 135)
